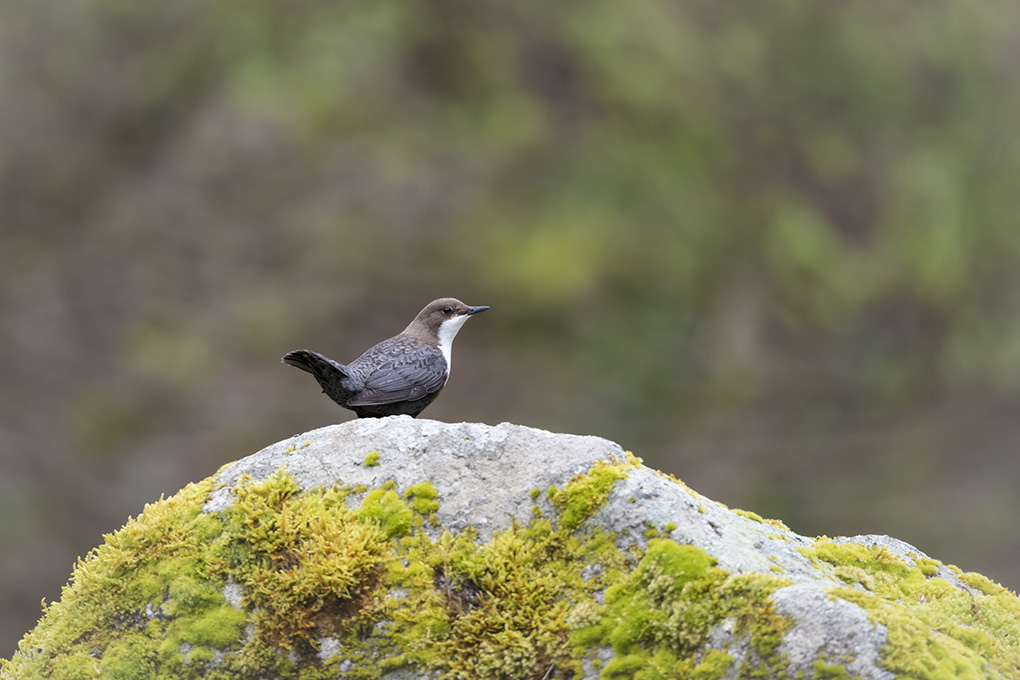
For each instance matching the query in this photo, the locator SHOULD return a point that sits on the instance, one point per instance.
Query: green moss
(935, 630)
(301, 558)
(503, 609)
(749, 515)
(778, 524)
(388, 510)
(713, 666)
(535, 493)
(664, 610)
(422, 498)
(624, 667)
(586, 493)
(156, 563)
(652, 532)
(372, 459)
(981, 583)
(219, 627)
(201, 656)
(877, 559)
(824, 671)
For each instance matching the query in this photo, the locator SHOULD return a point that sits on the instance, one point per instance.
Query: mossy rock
(400, 549)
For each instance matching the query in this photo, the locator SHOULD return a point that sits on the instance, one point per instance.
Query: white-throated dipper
(398, 376)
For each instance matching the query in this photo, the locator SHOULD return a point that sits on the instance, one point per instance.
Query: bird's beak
(476, 310)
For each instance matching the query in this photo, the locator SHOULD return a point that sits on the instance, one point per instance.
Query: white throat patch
(447, 332)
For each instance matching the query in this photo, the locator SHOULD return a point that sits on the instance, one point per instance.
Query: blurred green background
(770, 246)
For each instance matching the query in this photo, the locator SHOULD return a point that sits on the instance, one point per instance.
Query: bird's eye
(447, 310)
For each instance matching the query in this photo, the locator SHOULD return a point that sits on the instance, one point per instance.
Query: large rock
(400, 549)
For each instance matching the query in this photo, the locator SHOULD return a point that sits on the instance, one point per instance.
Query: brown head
(437, 324)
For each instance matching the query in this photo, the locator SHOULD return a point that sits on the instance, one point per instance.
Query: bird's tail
(334, 378)
(311, 362)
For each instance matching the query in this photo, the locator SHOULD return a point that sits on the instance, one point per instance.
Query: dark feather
(334, 378)
(399, 370)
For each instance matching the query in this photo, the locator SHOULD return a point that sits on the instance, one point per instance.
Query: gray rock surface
(484, 474)
(831, 628)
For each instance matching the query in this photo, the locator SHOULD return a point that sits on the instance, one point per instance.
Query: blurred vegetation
(770, 246)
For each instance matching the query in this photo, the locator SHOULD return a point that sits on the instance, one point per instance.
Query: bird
(400, 375)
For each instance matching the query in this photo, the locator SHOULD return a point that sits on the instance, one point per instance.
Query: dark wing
(403, 372)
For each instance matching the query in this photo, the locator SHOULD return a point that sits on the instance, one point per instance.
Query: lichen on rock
(401, 549)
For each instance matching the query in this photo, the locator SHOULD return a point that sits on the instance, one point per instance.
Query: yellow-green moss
(663, 532)
(149, 602)
(387, 510)
(936, 631)
(302, 559)
(422, 498)
(586, 493)
(713, 666)
(928, 567)
(372, 459)
(749, 515)
(658, 617)
(824, 671)
(217, 628)
(496, 610)
(158, 562)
